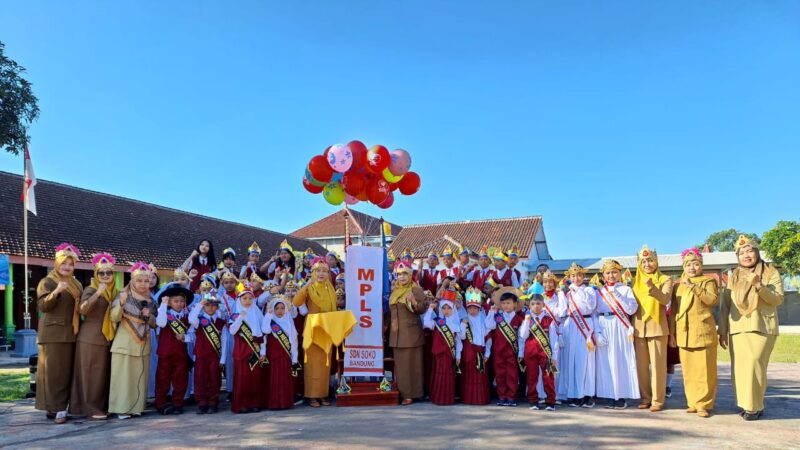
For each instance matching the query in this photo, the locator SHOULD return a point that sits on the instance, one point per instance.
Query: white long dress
(578, 362)
(616, 361)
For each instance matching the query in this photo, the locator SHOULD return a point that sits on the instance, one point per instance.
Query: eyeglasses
(105, 273)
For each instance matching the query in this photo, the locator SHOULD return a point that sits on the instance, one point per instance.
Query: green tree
(724, 241)
(18, 105)
(782, 244)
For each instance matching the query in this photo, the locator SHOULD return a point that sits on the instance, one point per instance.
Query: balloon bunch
(350, 173)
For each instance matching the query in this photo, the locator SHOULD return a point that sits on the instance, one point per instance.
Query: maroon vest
(478, 281)
(202, 346)
(168, 344)
(532, 347)
(500, 345)
(505, 281)
(428, 281)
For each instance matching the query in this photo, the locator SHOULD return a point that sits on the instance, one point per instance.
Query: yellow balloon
(390, 177)
(333, 193)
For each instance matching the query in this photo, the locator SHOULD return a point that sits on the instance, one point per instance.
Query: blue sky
(621, 123)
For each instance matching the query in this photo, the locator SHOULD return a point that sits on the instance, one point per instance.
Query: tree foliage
(18, 105)
(782, 244)
(725, 240)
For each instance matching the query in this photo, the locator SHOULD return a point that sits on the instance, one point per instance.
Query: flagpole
(27, 315)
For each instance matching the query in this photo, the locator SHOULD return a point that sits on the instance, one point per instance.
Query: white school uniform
(615, 357)
(578, 362)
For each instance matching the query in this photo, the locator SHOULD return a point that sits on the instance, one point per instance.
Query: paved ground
(426, 426)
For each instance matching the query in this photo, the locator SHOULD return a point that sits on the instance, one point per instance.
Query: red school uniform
(505, 349)
(173, 361)
(209, 345)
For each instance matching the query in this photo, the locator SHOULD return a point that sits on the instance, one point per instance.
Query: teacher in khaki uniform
(653, 291)
(406, 303)
(696, 333)
(749, 324)
(57, 299)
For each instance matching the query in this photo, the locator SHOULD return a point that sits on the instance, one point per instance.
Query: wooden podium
(368, 393)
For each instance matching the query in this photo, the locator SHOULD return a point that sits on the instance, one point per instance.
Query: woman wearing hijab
(92, 359)
(406, 303)
(696, 333)
(653, 291)
(135, 312)
(57, 299)
(749, 324)
(319, 296)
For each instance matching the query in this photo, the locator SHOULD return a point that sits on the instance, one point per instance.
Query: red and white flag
(29, 183)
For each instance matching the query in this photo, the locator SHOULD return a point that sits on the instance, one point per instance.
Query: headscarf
(322, 292)
(452, 320)
(286, 322)
(649, 304)
(106, 261)
(132, 318)
(400, 291)
(64, 252)
(477, 325)
(743, 294)
(254, 316)
(685, 292)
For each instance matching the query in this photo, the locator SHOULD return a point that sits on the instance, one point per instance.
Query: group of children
(558, 342)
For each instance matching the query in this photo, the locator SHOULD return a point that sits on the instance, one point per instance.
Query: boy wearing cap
(207, 325)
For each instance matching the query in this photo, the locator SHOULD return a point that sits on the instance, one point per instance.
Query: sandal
(313, 403)
(325, 402)
(406, 402)
(61, 417)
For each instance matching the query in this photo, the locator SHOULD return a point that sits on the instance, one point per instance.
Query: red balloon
(386, 204)
(378, 191)
(325, 153)
(311, 188)
(410, 183)
(353, 183)
(378, 159)
(320, 169)
(359, 151)
(363, 195)
(394, 186)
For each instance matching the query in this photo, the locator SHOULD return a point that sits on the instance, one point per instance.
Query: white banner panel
(363, 356)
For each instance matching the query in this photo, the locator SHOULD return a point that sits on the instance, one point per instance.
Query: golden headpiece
(691, 254)
(64, 251)
(514, 251)
(646, 252)
(407, 253)
(285, 246)
(103, 261)
(611, 264)
(499, 254)
(575, 269)
(254, 249)
(255, 278)
(390, 255)
(484, 252)
(402, 267)
(448, 251)
(141, 269)
(548, 275)
(227, 276)
(744, 241)
(180, 275)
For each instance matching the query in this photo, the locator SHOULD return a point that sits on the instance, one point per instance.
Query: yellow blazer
(693, 307)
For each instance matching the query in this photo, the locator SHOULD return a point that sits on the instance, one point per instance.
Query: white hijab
(452, 321)
(254, 317)
(286, 323)
(478, 326)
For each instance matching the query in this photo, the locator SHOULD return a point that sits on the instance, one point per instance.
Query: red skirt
(279, 373)
(474, 384)
(246, 386)
(443, 373)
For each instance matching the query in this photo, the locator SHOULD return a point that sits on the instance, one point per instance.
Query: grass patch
(787, 350)
(14, 384)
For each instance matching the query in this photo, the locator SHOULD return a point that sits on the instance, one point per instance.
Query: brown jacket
(93, 312)
(763, 320)
(55, 325)
(649, 328)
(695, 327)
(405, 329)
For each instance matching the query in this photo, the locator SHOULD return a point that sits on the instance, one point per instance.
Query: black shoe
(202, 410)
(255, 410)
(501, 402)
(550, 407)
(574, 402)
(213, 409)
(620, 404)
(587, 402)
(669, 392)
(178, 410)
(511, 403)
(612, 404)
(165, 410)
(750, 416)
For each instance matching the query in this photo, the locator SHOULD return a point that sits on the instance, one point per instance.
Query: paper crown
(611, 264)
(67, 250)
(627, 276)
(211, 299)
(228, 251)
(548, 275)
(254, 249)
(407, 253)
(514, 251)
(433, 254)
(499, 254)
(254, 278)
(576, 269)
(221, 266)
(474, 297)
(490, 281)
(179, 275)
(285, 246)
(340, 292)
(595, 281)
(103, 261)
(691, 254)
(390, 255)
(340, 277)
(448, 294)
(279, 298)
(209, 282)
(141, 268)
(243, 289)
(309, 253)
(463, 250)
(484, 252)
(402, 266)
(448, 251)
(744, 241)
(646, 252)
(227, 276)
(291, 285)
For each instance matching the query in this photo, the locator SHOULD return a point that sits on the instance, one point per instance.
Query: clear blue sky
(621, 123)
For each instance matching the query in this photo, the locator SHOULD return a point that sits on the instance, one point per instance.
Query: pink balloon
(401, 162)
(386, 204)
(350, 200)
(340, 158)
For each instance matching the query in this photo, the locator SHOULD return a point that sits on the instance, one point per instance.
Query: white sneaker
(550, 408)
(535, 408)
(123, 416)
